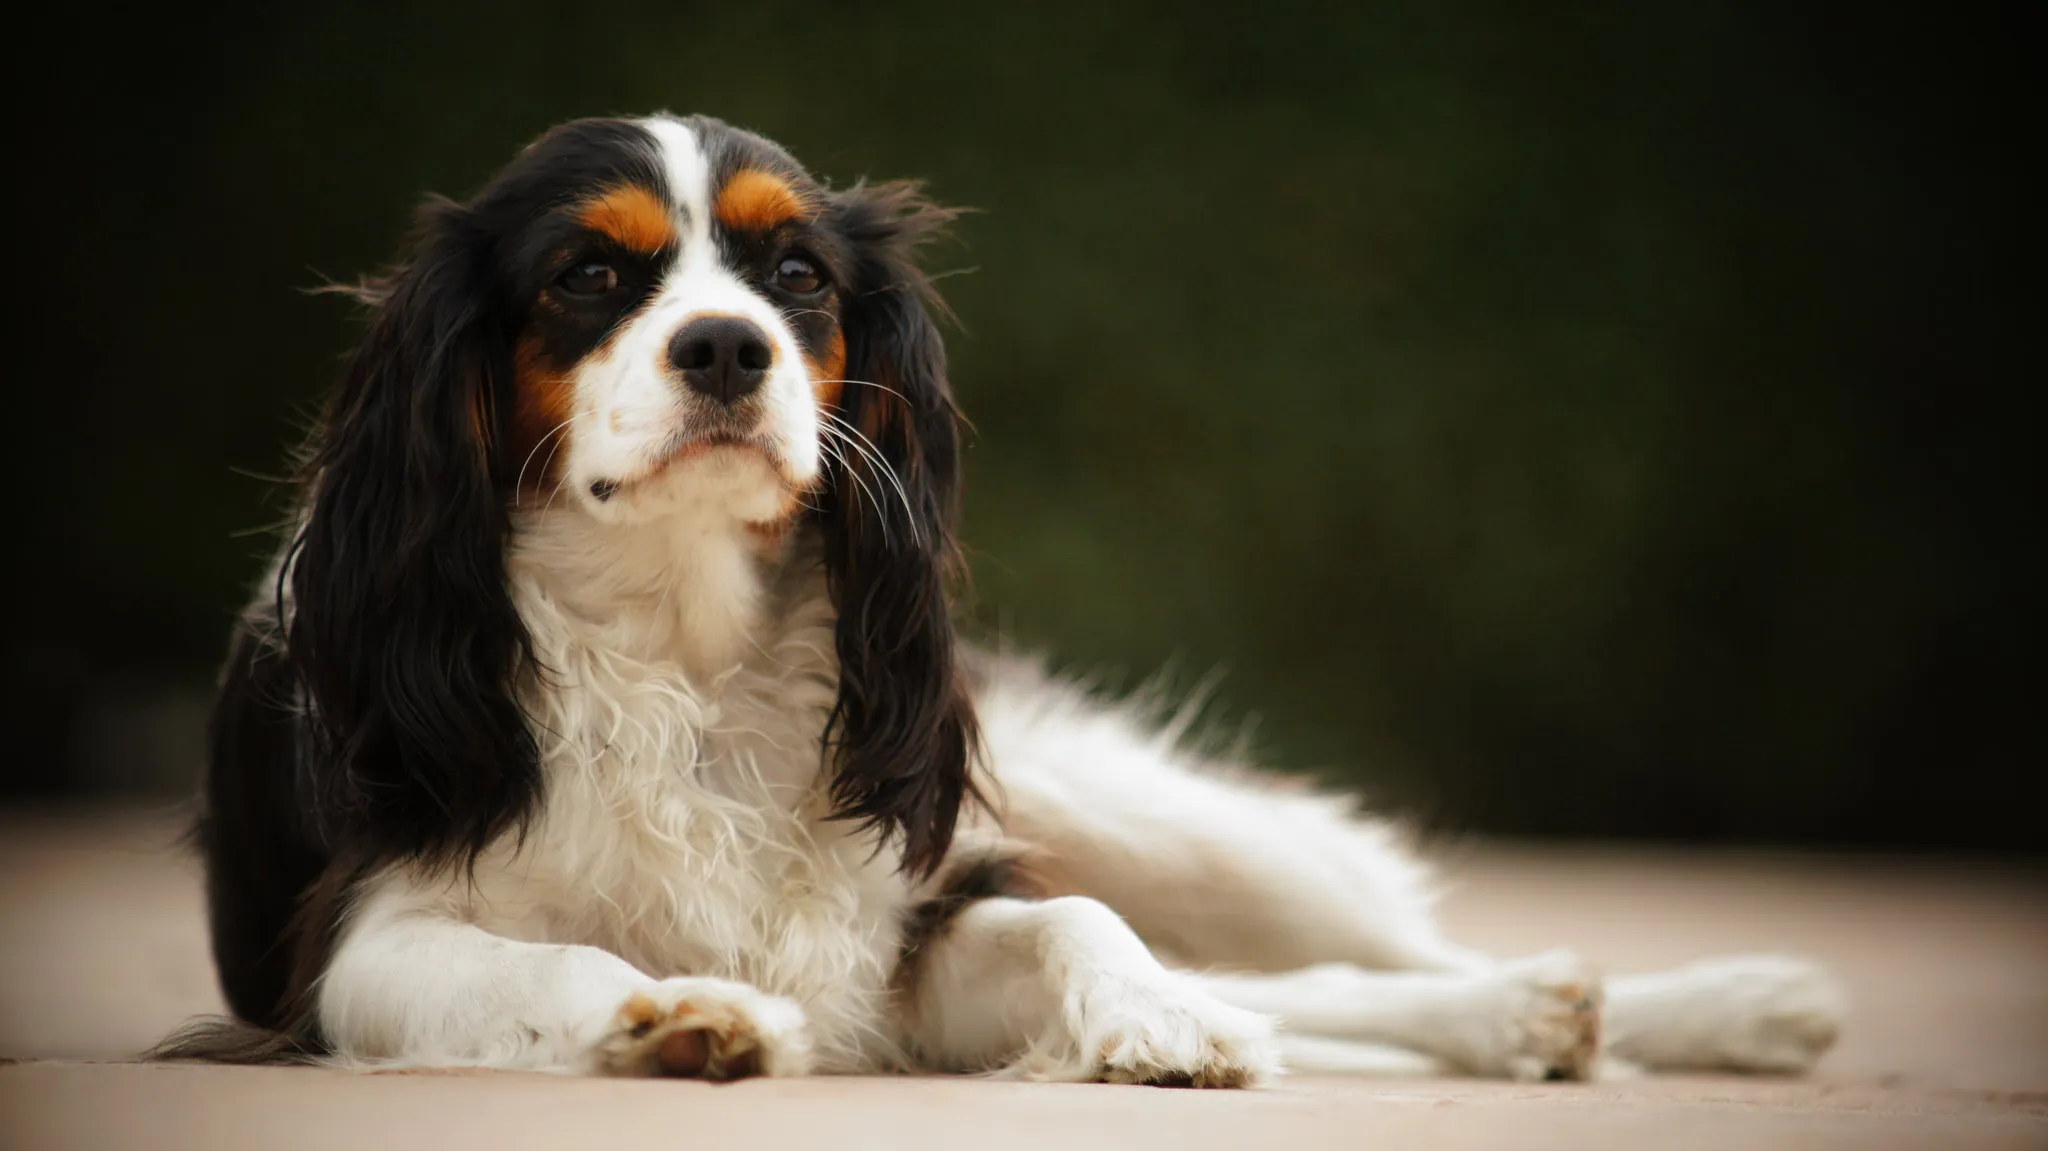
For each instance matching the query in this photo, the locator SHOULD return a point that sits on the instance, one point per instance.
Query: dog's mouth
(681, 449)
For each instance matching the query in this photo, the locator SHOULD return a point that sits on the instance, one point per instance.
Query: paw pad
(689, 1040)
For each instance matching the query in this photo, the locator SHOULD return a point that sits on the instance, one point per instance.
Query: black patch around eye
(589, 278)
(585, 290)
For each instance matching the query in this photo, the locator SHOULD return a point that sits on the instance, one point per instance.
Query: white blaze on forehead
(688, 172)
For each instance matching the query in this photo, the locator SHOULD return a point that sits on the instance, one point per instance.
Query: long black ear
(400, 627)
(903, 731)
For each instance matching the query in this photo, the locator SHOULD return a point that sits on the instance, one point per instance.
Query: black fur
(402, 632)
(994, 875)
(903, 733)
(261, 851)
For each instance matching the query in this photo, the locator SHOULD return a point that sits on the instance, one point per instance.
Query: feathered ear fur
(903, 730)
(399, 626)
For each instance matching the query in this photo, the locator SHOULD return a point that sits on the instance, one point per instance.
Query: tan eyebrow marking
(757, 201)
(632, 216)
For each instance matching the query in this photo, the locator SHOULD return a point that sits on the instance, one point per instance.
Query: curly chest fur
(684, 823)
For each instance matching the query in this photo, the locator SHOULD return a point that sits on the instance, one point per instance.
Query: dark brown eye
(798, 276)
(590, 278)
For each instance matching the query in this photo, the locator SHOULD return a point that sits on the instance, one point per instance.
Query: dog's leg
(1532, 1018)
(1764, 1013)
(1540, 1018)
(411, 986)
(1322, 1055)
(1063, 990)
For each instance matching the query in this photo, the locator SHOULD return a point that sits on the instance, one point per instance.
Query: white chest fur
(682, 823)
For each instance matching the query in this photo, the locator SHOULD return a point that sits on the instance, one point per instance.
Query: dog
(603, 713)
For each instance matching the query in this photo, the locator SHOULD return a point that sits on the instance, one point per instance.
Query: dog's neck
(697, 587)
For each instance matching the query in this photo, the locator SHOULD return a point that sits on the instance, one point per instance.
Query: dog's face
(634, 317)
(681, 337)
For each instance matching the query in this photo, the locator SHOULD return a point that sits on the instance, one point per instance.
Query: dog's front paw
(705, 1029)
(1542, 1020)
(1164, 1033)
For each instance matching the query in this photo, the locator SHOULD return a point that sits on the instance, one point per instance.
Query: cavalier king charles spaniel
(603, 713)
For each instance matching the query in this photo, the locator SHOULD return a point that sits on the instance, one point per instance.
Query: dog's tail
(225, 1039)
(1206, 857)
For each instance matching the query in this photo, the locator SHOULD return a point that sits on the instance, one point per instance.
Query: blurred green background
(1585, 419)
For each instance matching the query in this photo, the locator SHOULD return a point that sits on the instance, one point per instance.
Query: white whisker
(560, 483)
(521, 479)
(874, 456)
(847, 465)
(552, 493)
(825, 446)
(869, 384)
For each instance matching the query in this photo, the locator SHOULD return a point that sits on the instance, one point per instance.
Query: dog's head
(632, 317)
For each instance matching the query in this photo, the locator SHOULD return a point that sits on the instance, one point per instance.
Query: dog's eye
(590, 278)
(798, 276)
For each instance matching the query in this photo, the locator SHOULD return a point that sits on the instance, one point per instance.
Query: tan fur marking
(757, 201)
(640, 1012)
(631, 215)
(541, 398)
(828, 374)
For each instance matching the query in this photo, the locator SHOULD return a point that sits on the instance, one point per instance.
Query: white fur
(681, 869)
(1533, 1018)
(1202, 857)
(1735, 1012)
(1064, 990)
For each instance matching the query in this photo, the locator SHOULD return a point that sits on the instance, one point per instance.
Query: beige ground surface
(102, 950)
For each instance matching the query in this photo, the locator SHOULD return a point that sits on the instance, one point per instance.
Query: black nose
(723, 357)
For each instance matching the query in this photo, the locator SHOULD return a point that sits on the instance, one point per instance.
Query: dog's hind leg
(1531, 1018)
